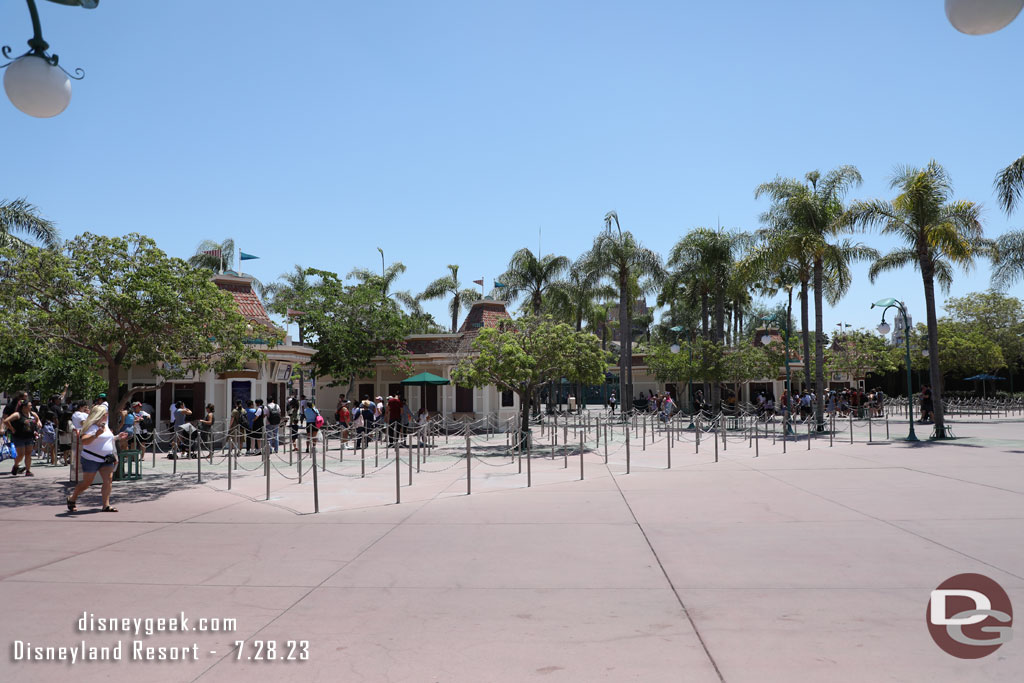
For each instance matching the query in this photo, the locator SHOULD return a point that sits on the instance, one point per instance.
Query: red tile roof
(484, 314)
(245, 298)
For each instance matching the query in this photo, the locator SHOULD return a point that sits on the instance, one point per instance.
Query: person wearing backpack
(236, 428)
(314, 420)
(273, 425)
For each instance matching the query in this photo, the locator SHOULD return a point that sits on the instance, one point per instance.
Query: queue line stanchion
(582, 437)
(230, 454)
(398, 478)
(316, 485)
(266, 471)
(627, 449)
(469, 467)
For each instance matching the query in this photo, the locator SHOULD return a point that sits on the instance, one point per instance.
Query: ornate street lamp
(978, 17)
(689, 376)
(35, 82)
(883, 328)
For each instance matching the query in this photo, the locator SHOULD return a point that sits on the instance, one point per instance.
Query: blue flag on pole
(246, 257)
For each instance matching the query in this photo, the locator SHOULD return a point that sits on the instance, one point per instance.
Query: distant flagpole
(481, 283)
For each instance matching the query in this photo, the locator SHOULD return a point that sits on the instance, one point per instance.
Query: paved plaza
(813, 565)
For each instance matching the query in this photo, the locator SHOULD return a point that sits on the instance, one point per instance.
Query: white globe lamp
(674, 348)
(978, 17)
(766, 340)
(884, 328)
(36, 87)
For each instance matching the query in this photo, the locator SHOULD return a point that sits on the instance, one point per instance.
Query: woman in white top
(97, 450)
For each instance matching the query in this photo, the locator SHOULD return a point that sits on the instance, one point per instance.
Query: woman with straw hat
(98, 455)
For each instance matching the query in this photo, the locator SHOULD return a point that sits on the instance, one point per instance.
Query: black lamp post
(35, 82)
(883, 328)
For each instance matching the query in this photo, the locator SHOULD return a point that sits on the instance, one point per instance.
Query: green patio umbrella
(423, 380)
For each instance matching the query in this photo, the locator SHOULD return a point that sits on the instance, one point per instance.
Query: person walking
(314, 421)
(23, 423)
(611, 403)
(97, 456)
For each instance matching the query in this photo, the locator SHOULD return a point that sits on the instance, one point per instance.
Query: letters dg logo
(969, 616)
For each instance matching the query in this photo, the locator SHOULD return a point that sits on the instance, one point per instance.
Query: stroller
(188, 441)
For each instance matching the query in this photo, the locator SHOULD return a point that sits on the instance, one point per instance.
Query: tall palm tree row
(706, 261)
(446, 286)
(813, 210)
(21, 226)
(618, 258)
(939, 233)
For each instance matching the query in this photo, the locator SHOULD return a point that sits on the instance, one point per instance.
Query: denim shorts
(90, 466)
(22, 441)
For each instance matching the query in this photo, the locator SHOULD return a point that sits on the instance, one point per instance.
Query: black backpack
(274, 416)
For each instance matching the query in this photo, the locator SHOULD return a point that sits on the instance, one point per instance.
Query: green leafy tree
(449, 285)
(522, 355)
(996, 316)
(858, 353)
(1008, 259)
(126, 303)
(939, 234)
(218, 257)
(49, 368)
(21, 226)
(349, 325)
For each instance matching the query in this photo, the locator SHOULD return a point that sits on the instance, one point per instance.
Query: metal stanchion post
(266, 468)
(714, 436)
(199, 468)
(627, 449)
(668, 443)
(696, 446)
(832, 430)
(229, 470)
(316, 486)
(398, 477)
(362, 460)
(529, 467)
(757, 440)
(298, 460)
(722, 429)
(469, 467)
(869, 428)
(808, 436)
(582, 438)
(605, 443)
(851, 426)
(643, 444)
(886, 425)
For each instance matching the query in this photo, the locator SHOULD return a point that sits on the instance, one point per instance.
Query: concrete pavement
(810, 565)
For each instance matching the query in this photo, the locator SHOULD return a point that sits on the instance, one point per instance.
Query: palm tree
(939, 234)
(18, 216)
(618, 258)
(532, 277)
(215, 256)
(290, 292)
(1008, 259)
(385, 278)
(815, 209)
(707, 260)
(421, 322)
(1010, 185)
(449, 285)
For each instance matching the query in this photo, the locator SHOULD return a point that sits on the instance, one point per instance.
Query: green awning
(424, 379)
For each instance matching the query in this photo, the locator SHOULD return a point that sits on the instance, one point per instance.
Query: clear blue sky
(449, 132)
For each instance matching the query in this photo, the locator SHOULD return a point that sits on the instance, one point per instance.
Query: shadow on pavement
(21, 491)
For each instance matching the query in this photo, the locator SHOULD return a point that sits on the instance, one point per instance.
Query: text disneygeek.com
(141, 649)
